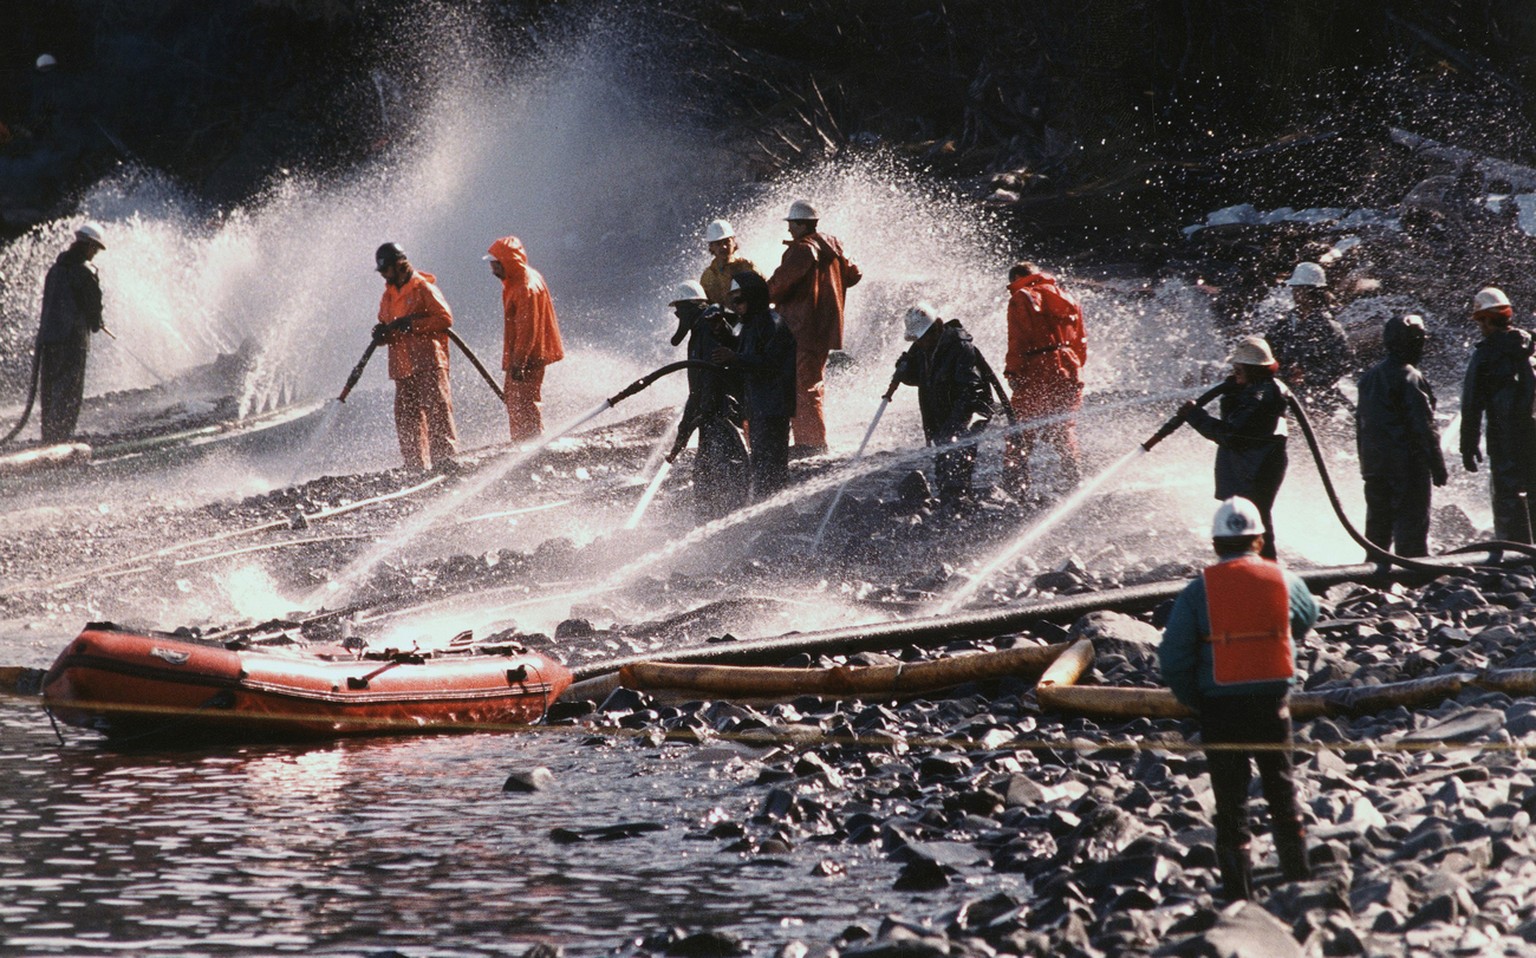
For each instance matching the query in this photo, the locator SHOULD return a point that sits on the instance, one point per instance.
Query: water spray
(133, 355)
(837, 497)
(650, 493)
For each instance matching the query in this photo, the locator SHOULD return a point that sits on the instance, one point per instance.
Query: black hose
(26, 413)
(1002, 394)
(650, 377)
(1495, 545)
(1171, 426)
(1372, 550)
(475, 362)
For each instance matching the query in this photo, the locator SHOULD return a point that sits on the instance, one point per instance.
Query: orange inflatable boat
(273, 687)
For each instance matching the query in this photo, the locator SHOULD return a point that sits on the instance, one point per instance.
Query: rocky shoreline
(1419, 819)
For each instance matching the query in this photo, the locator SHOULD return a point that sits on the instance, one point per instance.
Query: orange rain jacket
(808, 289)
(532, 331)
(426, 345)
(1047, 344)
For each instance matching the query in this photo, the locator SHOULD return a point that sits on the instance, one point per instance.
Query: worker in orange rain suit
(414, 320)
(532, 338)
(1047, 347)
(808, 288)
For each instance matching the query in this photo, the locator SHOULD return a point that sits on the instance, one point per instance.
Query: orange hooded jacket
(426, 345)
(532, 332)
(1047, 344)
(808, 290)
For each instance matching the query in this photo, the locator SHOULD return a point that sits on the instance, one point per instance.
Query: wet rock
(922, 875)
(1466, 725)
(573, 628)
(913, 490)
(529, 780)
(544, 950)
(1243, 930)
(707, 944)
(624, 700)
(1110, 628)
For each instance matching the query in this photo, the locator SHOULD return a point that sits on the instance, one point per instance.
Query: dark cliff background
(1081, 120)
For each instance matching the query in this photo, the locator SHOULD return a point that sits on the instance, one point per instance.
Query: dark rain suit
(1501, 384)
(71, 313)
(720, 470)
(766, 358)
(1250, 446)
(1399, 450)
(1241, 712)
(1313, 354)
(953, 398)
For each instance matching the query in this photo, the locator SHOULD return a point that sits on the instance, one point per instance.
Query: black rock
(529, 780)
(922, 875)
(707, 944)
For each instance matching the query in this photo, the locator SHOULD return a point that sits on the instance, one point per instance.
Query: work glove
(380, 334)
(721, 356)
(1470, 458)
(1438, 473)
(517, 373)
(401, 325)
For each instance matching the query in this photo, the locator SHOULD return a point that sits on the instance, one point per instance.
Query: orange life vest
(1249, 604)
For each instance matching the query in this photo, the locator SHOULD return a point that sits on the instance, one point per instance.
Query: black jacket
(1501, 384)
(71, 298)
(1249, 437)
(1317, 345)
(766, 357)
(952, 393)
(1395, 423)
(711, 393)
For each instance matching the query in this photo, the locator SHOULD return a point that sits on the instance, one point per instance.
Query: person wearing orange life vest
(414, 320)
(532, 338)
(1047, 347)
(1228, 652)
(808, 289)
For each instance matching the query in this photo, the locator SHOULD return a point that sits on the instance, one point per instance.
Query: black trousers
(1397, 512)
(1249, 719)
(61, 385)
(770, 455)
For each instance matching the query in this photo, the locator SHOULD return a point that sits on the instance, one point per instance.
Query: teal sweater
(1185, 655)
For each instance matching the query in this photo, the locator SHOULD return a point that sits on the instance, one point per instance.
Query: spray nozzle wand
(1171, 426)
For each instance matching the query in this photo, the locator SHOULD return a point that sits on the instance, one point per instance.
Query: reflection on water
(408, 845)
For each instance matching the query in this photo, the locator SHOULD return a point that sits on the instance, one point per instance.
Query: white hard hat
(687, 292)
(1308, 274)
(1252, 351)
(1237, 517)
(91, 230)
(1489, 297)
(920, 319)
(46, 62)
(802, 210)
(718, 230)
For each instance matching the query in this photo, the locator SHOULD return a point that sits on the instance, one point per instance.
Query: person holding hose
(72, 311)
(765, 356)
(1398, 443)
(531, 338)
(1500, 386)
(1250, 435)
(413, 321)
(809, 289)
(1228, 652)
(952, 394)
(1047, 347)
(713, 409)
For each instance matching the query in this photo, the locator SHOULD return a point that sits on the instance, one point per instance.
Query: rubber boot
(1236, 871)
(1291, 847)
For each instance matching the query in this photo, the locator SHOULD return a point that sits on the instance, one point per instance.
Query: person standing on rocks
(72, 311)
(1047, 347)
(1228, 652)
(809, 288)
(1500, 385)
(765, 355)
(716, 279)
(1398, 442)
(952, 394)
(414, 320)
(1308, 342)
(720, 470)
(531, 337)
(1250, 435)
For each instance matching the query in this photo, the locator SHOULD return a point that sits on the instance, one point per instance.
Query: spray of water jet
(650, 493)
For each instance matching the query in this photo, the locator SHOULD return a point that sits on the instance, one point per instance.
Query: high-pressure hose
(1372, 550)
(650, 377)
(26, 413)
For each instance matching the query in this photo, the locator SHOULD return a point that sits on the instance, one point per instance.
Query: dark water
(410, 845)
